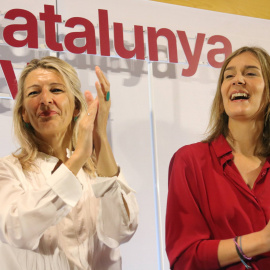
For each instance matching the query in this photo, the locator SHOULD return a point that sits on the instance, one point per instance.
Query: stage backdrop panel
(158, 105)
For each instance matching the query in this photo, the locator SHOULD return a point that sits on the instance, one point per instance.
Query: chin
(47, 131)
(244, 117)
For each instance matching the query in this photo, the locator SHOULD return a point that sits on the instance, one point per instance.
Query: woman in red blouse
(218, 207)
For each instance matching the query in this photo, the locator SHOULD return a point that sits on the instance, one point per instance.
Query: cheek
(260, 89)
(224, 100)
(259, 85)
(263, 89)
(25, 113)
(223, 92)
(68, 106)
(225, 89)
(29, 106)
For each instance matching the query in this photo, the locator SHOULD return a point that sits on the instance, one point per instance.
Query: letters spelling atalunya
(138, 52)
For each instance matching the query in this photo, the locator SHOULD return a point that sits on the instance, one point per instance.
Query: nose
(238, 79)
(46, 97)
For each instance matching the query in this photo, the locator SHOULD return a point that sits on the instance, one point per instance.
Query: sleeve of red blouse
(188, 243)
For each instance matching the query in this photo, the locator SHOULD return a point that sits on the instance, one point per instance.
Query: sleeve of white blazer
(25, 214)
(118, 215)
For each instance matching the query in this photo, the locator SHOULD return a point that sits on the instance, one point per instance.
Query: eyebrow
(52, 84)
(246, 67)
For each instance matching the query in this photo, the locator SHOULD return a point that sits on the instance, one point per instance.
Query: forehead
(244, 59)
(41, 76)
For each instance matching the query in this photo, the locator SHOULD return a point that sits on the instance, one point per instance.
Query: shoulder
(191, 152)
(10, 162)
(9, 159)
(190, 158)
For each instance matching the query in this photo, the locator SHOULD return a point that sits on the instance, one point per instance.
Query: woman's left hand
(104, 103)
(106, 165)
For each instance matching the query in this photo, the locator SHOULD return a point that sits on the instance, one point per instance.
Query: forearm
(23, 225)
(118, 212)
(252, 244)
(76, 161)
(43, 205)
(105, 164)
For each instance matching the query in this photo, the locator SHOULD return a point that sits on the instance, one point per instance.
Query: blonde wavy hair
(29, 142)
(218, 123)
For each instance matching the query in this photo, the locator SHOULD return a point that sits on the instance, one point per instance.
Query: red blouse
(208, 201)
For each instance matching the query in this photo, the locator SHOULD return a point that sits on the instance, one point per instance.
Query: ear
(76, 112)
(25, 116)
(77, 109)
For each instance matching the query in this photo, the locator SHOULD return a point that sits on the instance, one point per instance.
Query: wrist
(264, 239)
(78, 158)
(100, 134)
(100, 141)
(113, 172)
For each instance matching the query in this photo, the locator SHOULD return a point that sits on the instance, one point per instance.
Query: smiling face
(48, 105)
(243, 87)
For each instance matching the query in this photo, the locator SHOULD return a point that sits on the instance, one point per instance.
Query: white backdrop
(155, 110)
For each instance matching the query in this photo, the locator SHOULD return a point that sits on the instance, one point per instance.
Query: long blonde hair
(29, 142)
(218, 123)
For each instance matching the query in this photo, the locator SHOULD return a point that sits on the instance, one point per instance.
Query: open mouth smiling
(239, 96)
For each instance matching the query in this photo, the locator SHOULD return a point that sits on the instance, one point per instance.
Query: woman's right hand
(253, 244)
(84, 147)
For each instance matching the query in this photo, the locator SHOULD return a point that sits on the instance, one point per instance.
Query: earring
(27, 125)
(75, 118)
